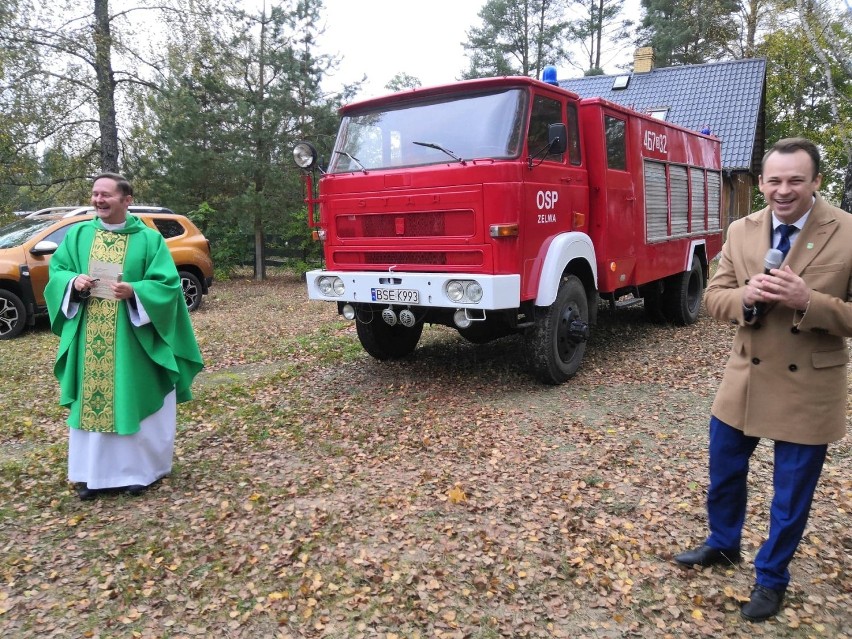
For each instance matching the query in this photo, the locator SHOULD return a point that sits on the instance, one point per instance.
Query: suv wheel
(192, 293)
(13, 316)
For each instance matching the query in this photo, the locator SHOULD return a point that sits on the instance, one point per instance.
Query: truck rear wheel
(683, 294)
(383, 341)
(557, 341)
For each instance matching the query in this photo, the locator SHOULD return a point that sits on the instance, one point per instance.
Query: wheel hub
(578, 331)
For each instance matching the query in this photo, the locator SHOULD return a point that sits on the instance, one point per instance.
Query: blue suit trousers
(797, 468)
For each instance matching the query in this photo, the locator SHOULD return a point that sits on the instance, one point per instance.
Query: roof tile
(726, 96)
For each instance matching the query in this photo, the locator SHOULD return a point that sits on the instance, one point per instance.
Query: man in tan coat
(786, 378)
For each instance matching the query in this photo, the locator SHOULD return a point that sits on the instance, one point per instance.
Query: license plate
(400, 295)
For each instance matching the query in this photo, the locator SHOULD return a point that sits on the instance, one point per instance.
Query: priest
(127, 352)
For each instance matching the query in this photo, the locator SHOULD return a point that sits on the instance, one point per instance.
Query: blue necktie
(784, 242)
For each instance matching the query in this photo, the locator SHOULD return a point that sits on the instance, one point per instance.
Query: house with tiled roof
(726, 98)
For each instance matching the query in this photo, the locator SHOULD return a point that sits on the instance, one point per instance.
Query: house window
(620, 82)
(659, 113)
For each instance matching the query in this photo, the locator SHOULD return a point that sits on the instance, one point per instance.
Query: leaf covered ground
(319, 493)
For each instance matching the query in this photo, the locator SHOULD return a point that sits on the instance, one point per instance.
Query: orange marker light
(504, 230)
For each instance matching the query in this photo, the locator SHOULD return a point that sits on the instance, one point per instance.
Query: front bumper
(498, 291)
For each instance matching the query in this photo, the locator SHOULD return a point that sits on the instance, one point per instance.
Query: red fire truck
(509, 205)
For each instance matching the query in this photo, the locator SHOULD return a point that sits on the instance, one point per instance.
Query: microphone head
(773, 259)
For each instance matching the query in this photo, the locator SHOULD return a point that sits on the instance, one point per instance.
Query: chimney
(643, 60)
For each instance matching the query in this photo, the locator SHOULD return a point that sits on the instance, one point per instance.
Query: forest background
(199, 102)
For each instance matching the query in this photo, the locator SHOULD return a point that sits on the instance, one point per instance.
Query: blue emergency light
(548, 75)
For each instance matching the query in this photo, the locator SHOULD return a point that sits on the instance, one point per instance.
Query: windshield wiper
(440, 148)
(354, 159)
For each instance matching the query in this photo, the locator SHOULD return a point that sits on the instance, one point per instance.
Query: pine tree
(517, 37)
(689, 31)
(228, 119)
(600, 23)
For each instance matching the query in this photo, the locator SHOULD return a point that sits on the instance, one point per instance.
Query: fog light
(461, 319)
(389, 316)
(349, 312)
(406, 318)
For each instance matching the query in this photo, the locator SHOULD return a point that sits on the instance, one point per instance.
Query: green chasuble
(111, 373)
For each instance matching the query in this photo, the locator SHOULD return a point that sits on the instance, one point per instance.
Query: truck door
(622, 226)
(555, 189)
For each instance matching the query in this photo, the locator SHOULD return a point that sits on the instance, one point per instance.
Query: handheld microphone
(771, 260)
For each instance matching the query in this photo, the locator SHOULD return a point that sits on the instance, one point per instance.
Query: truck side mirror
(557, 138)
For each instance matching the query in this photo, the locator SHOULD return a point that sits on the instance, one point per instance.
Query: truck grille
(457, 223)
(385, 259)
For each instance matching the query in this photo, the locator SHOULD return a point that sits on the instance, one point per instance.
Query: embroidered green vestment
(111, 373)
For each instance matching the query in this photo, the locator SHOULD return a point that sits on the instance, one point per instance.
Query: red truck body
(507, 205)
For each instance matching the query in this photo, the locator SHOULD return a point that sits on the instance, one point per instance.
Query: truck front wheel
(383, 341)
(557, 341)
(683, 294)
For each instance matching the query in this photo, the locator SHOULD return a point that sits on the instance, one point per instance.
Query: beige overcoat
(786, 377)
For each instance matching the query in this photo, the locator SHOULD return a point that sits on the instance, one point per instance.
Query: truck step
(630, 301)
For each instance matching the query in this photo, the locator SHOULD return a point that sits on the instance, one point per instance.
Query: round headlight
(474, 292)
(305, 155)
(455, 290)
(338, 286)
(324, 284)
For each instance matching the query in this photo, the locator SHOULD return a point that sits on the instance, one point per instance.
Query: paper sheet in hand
(108, 273)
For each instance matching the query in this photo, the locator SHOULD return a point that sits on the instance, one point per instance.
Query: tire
(13, 315)
(192, 291)
(383, 341)
(557, 342)
(683, 294)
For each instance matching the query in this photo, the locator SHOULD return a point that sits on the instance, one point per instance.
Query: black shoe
(135, 489)
(706, 556)
(85, 493)
(764, 603)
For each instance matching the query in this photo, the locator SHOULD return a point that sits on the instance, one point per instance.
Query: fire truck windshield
(481, 125)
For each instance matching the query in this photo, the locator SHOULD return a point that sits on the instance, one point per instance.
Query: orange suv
(27, 244)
